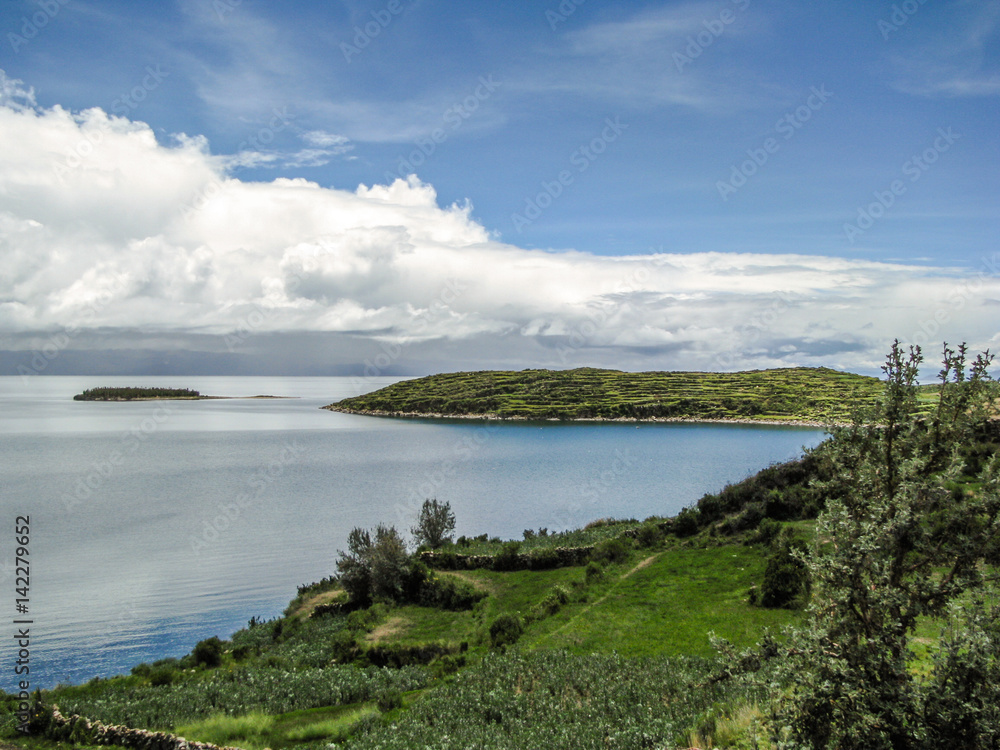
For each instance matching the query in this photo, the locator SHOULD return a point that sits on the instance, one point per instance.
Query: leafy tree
(435, 525)
(390, 564)
(354, 567)
(897, 542)
(374, 567)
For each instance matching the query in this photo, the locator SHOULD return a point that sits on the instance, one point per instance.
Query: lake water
(157, 524)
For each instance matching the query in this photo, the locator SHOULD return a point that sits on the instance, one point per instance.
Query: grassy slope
(794, 394)
(661, 602)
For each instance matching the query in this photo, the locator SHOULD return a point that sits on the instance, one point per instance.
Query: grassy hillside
(795, 395)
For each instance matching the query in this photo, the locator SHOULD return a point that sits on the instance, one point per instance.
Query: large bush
(505, 630)
(786, 577)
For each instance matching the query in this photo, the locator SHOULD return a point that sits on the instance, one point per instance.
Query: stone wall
(555, 557)
(80, 730)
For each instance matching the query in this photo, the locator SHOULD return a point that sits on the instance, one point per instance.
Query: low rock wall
(98, 733)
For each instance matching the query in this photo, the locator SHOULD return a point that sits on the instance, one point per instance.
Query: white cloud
(104, 228)
(322, 139)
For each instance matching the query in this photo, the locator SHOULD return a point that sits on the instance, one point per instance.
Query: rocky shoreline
(489, 417)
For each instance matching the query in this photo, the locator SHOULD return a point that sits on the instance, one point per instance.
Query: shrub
(389, 700)
(649, 534)
(593, 572)
(509, 557)
(551, 603)
(161, 676)
(505, 630)
(543, 559)
(687, 522)
(897, 527)
(208, 653)
(767, 532)
(611, 550)
(786, 577)
(749, 518)
(448, 592)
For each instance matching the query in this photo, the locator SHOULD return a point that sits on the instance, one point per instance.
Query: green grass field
(793, 395)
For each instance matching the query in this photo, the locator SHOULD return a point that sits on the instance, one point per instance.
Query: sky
(401, 187)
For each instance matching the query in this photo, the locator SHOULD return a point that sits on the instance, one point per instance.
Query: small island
(797, 395)
(151, 394)
(137, 394)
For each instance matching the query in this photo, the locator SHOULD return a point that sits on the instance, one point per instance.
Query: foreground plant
(905, 534)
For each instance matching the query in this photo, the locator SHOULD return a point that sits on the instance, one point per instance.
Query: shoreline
(630, 420)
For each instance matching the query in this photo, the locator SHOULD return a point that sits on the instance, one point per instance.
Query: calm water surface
(157, 524)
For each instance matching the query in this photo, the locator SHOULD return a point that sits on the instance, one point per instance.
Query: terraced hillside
(800, 394)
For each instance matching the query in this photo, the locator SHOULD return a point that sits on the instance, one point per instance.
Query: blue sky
(863, 135)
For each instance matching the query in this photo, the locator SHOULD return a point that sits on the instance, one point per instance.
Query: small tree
(390, 564)
(374, 567)
(354, 567)
(435, 525)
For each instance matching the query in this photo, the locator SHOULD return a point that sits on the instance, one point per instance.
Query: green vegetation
(136, 394)
(434, 525)
(843, 600)
(790, 395)
(910, 526)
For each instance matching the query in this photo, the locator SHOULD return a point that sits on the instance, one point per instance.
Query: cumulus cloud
(106, 230)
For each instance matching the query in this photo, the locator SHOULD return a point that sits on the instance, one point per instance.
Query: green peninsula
(800, 395)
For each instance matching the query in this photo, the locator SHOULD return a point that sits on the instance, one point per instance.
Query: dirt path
(644, 564)
(390, 627)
